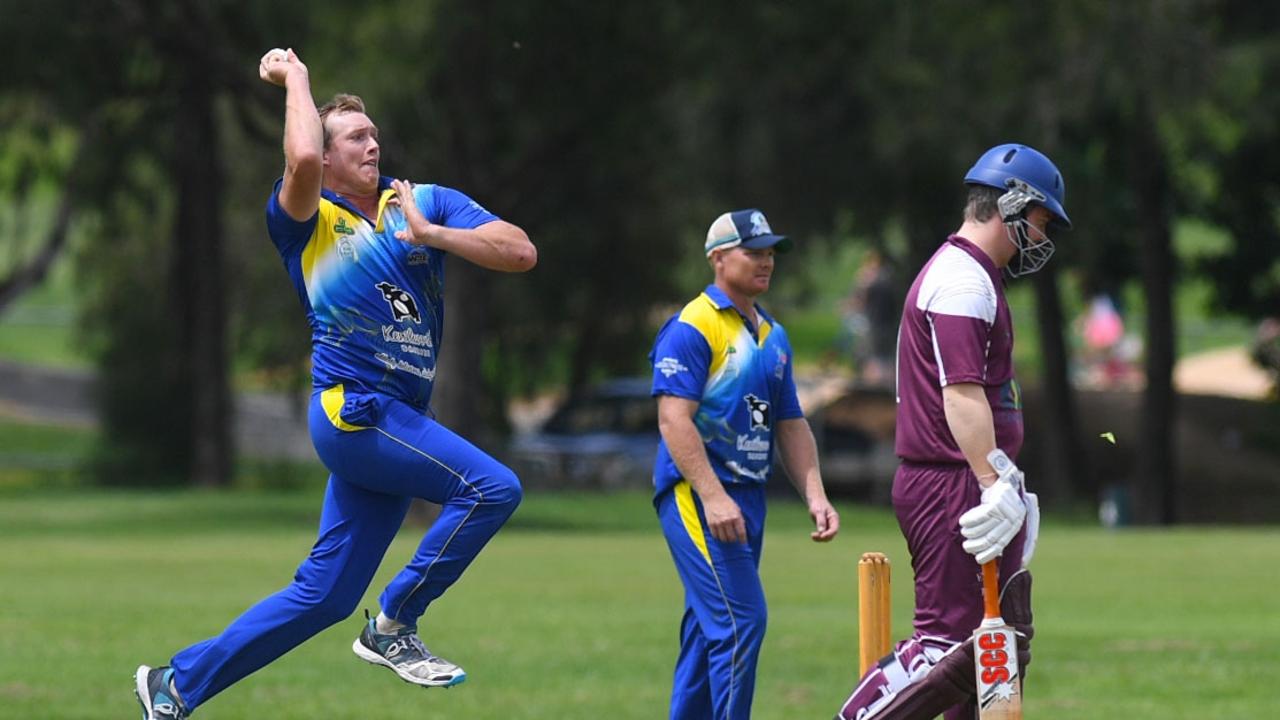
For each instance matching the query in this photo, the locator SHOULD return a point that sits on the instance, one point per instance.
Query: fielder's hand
(989, 527)
(826, 521)
(724, 518)
(276, 65)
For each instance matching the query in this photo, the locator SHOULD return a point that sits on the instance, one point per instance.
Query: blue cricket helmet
(1012, 161)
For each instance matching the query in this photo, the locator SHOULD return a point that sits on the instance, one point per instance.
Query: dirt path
(1228, 372)
(266, 424)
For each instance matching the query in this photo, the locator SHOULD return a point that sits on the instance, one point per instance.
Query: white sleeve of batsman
(990, 526)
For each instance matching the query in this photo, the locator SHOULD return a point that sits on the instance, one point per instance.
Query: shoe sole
(140, 690)
(374, 658)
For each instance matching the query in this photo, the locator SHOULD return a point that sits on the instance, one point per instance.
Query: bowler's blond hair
(341, 103)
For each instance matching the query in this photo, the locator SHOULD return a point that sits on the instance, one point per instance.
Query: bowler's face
(351, 159)
(746, 271)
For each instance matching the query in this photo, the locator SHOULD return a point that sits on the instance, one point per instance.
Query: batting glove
(990, 526)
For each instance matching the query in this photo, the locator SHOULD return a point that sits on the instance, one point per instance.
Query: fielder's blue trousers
(724, 606)
(381, 453)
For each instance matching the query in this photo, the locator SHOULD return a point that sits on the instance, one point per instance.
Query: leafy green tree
(147, 77)
(613, 133)
(37, 188)
(1227, 160)
(552, 115)
(1142, 68)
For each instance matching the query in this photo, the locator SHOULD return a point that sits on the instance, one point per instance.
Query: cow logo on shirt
(402, 303)
(759, 410)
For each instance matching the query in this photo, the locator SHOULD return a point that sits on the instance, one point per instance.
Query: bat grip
(991, 589)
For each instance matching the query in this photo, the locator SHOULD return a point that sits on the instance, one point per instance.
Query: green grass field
(572, 612)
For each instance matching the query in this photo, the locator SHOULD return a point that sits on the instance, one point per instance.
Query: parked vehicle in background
(855, 443)
(605, 438)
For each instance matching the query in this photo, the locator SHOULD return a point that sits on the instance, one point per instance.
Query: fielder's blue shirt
(741, 379)
(375, 304)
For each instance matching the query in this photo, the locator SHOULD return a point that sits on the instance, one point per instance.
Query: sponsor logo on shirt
(759, 410)
(418, 256)
(403, 306)
(729, 369)
(781, 368)
(393, 363)
(347, 250)
(756, 447)
(410, 342)
(760, 475)
(342, 228)
(669, 366)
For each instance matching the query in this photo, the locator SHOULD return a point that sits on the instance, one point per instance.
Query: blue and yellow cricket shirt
(741, 379)
(375, 304)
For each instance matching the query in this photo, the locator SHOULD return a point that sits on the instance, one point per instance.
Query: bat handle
(991, 589)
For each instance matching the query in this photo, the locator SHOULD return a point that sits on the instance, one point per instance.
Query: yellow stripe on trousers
(689, 515)
(693, 526)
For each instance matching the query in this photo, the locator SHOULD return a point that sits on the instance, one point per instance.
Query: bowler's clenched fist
(276, 64)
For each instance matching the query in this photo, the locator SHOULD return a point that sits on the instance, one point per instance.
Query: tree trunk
(33, 272)
(459, 397)
(1063, 464)
(198, 281)
(1157, 486)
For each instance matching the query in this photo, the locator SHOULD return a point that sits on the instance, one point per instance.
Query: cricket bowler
(365, 254)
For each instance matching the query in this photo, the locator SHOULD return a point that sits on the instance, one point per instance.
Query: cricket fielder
(722, 373)
(365, 254)
(958, 403)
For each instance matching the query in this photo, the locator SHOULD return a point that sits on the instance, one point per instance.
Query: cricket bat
(995, 653)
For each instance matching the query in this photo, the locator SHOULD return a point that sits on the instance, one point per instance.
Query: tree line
(612, 132)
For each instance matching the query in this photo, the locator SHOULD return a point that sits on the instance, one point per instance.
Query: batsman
(958, 493)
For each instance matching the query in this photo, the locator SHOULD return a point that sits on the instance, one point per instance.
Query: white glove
(990, 526)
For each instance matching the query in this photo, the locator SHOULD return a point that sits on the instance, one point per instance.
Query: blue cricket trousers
(724, 606)
(381, 453)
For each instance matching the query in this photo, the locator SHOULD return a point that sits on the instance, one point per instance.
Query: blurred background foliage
(138, 146)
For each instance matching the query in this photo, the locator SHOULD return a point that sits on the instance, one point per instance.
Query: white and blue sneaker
(156, 694)
(406, 656)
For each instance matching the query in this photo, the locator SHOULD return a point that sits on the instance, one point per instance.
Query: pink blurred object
(1103, 327)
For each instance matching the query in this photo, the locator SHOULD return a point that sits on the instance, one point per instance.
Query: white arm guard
(990, 526)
